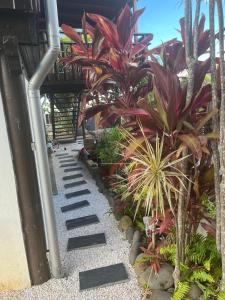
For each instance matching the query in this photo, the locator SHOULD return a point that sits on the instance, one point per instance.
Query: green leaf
(202, 276)
(213, 135)
(221, 296)
(181, 291)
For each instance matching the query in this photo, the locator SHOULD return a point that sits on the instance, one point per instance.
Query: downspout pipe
(38, 133)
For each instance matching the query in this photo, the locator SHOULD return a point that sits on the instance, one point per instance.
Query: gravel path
(115, 251)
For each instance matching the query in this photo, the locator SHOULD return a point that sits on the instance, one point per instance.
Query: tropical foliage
(108, 147)
(113, 62)
(165, 101)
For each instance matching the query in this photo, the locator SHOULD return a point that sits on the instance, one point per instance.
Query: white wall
(14, 272)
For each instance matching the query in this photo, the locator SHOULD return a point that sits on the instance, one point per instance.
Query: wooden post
(12, 85)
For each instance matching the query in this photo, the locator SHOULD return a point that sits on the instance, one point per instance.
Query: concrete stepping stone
(102, 277)
(67, 160)
(72, 169)
(87, 241)
(75, 176)
(65, 157)
(74, 206)
(73, 184)
(83, 221)
(77, 193)
(61, 154)
(68, 165)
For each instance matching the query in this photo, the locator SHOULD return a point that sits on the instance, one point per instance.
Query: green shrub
(108, 148)
(202, 266)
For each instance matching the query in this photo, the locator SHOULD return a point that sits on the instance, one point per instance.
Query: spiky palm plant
(153, 177)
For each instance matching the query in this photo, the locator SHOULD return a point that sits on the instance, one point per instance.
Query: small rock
(125, 223)
(91, 163)
(135, 248)
(161, 281)
(160, 295)
(195, 292)
(141, 263)
(130, 234)
(137, 236)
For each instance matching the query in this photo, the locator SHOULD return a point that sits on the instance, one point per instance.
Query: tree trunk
(215, 122)
(222, 135)
(191, 53)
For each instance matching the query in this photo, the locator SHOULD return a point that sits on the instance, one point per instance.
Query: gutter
(38, 134)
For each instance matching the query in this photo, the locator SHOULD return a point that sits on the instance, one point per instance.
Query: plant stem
(191, 53)
(222, 134)
(215, 122)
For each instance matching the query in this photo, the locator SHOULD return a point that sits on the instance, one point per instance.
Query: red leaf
(182, 29)
(131, 112)
(133, 21)
(156, 266)
(87, 27)
(158, 49)
(166, 223)
(203, 42)
(115, 59)
(200, 71)
(124, 25)
(77, 49)
(141, 46)
(201, 25)
(73, 35)
(90, 112)
(107, 28)
(193, 143)
(209, 228)
(204, 97)
(135, 16)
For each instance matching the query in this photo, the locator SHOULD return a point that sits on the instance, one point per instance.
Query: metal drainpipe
(37, 126)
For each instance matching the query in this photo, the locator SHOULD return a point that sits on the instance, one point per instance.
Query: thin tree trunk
(222, 135)
(215, 122)
(191, 49)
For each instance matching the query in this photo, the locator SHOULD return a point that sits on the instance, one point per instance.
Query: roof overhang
(71, 11)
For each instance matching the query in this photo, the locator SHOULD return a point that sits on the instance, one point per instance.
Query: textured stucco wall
(14, 272)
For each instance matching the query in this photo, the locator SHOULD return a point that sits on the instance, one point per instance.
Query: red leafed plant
(113, 62)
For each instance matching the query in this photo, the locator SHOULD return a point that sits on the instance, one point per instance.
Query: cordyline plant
(153, 176)
(174, 112)
(113, 62)
(181, 116)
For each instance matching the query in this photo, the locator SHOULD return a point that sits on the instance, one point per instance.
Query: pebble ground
(115, 251)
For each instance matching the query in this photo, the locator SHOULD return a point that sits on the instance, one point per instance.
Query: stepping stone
(62, 154)
(75, 206)
(65, 157)
(78, 193)
(83, 221)
(73, 184)
(87, 241)
(67, 160)
(72, 169)
(68, 165)
(101, 277)
(75, 176)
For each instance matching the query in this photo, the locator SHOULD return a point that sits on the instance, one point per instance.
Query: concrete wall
(14, 272)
